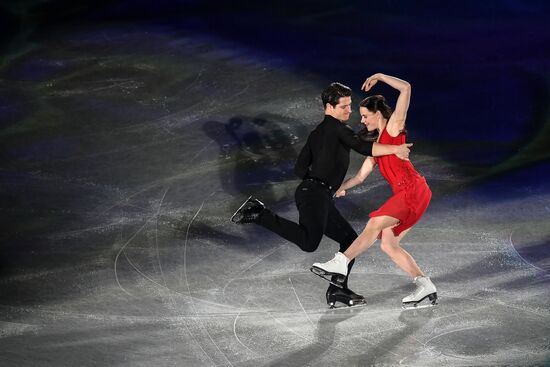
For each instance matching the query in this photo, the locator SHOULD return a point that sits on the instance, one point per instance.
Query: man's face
(342, 110)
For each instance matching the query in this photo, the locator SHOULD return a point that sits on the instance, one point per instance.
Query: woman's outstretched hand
(370, 82)
(340, 193)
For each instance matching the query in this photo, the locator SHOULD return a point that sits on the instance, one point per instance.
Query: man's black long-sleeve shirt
(326, 153)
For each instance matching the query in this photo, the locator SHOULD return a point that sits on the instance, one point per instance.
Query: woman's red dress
(411, 194)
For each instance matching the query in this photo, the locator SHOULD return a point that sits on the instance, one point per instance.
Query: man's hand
(402, 151)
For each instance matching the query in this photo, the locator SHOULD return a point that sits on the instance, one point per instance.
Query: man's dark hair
(333, 93)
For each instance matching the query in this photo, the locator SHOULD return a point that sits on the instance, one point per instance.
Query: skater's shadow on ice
(205, 231)
(321, 343)
(485, 276)
(255, 154)
(495, 272)
(414, 320)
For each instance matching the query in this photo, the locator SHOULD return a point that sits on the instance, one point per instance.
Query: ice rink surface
(124, 153)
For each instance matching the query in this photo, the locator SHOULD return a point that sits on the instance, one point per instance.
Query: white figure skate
(424, 289)
(333, 271)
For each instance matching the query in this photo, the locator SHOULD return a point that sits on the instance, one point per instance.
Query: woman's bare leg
(374, 226)
(391, 246)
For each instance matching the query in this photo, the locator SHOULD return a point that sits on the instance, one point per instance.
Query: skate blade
(327, 276)
(417, 307)
(334, 306)
(431, 301)
(243, 204)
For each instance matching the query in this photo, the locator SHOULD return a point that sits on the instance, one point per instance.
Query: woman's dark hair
(333, 93)
(374, 104)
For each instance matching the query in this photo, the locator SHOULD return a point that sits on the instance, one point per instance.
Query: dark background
(130, 131)
(479, 69)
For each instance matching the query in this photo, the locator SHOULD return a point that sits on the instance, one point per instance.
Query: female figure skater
(411, 194)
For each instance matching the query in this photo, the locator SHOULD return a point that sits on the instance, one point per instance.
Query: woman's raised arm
(399, 115)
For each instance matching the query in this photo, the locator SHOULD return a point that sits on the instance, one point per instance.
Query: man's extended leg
(313, 205)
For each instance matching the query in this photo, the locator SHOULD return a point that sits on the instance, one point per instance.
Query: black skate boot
(249, 212)
(343, 295)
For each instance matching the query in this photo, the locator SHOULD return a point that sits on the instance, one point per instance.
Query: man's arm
(350, 139)
(304, 161)
(401, 151)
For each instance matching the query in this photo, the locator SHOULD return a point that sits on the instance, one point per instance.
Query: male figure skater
(322, 164)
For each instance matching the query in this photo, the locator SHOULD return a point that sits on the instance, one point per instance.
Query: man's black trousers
(318, 217)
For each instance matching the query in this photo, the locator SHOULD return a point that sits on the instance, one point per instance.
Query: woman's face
(369, 119)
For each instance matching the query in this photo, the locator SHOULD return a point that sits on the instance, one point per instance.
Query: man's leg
(339, 229)
(313, 206)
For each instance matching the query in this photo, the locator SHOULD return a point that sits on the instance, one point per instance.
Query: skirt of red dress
(407, 205)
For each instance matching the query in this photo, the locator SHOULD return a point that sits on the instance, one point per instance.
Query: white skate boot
(334, 271)
(424, 289)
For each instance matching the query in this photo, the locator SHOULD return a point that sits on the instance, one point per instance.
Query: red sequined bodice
(400, 174)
